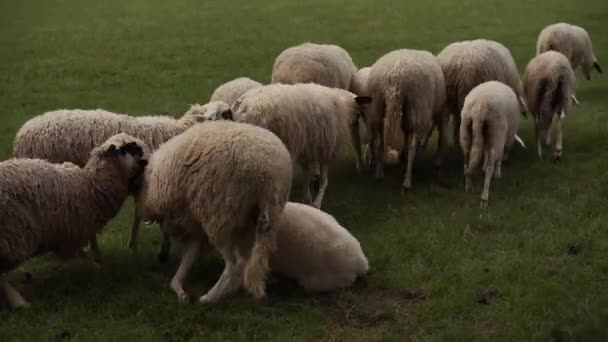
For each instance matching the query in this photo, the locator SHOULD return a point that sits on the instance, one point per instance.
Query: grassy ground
(534, 268)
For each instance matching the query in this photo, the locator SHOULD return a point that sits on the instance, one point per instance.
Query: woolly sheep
(315, 250)
(406, 86)
(70, 135)
(226, 182)
(469, 63)
(315, 122)
(59, 208)
(230, 91)
(490, 120)
(549, 83)
(572, 41)
(324, 64)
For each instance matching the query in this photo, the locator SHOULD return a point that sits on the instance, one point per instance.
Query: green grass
(534, 268)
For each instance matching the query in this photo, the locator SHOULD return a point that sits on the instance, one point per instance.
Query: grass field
(535, 267)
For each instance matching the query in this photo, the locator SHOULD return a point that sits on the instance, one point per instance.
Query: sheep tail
(394, 115)
(476, 146)
(264, 244)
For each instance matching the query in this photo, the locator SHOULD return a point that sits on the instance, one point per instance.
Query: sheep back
(230, 91)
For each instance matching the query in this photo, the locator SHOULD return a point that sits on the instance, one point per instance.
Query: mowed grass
(534, 267)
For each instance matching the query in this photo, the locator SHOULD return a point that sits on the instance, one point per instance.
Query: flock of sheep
(221, 175)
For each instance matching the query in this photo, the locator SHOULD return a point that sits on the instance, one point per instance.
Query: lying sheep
(70, 135)
(408, 86)
(230, 91)
(226, 182)
(315, 250)
(490, 120)
(324, 64)
(549, 84)
(61, 207)
(316, 123)
(469, 63)
(572, 41)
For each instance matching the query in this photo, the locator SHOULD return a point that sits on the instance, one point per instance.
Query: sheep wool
(408, 87)
(490, 120)
(469, 63)
(324, 64)
(315, 122)
(549, 84)
(230, 91)
(573, 42)
(59, 208)
(315, 250)
(226, 182)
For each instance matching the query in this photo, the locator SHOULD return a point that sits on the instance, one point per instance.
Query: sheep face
(130, 154)
(212, 111)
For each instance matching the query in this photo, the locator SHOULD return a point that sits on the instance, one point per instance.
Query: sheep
(59, 208)
(324, 64)
(315, 250)
(226, 182)
(70, 135)
(315, 122)
(469, 63)
(490, 120)
(230, 91)
(549, 83)
(572, 41)
(408, 86)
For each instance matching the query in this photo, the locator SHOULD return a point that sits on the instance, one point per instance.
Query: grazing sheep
(358, 86)
(573, 42)
(230, 91)
(408, 86)
(70, 135)
(59, 208)
(549, 83)
(324, 64)
(315, 250)
(469, 63)
(315, 122)
(226, 182)
(490, 120)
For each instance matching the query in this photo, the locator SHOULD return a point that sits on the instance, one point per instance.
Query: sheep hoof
(557, 155)
(484, 204)
(407, 185)
(21, 305)
(184, 298)
(205, 299)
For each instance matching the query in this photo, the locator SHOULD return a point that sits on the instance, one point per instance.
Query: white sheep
(407, 87)
(573, 42)
(59, 208)
(226, 182)
(315, 122)
(230, 91)
(549, 84)
(469, 63)
(324, 64)
(490, 120)
(315, 250)
(70, 135)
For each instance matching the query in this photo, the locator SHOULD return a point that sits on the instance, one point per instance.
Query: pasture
(533, 267)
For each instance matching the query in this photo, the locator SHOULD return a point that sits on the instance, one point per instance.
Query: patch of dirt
(370, 310)
(486, 296)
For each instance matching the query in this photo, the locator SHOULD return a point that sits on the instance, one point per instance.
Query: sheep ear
(227, 115)
(112, 151)
(361, 100)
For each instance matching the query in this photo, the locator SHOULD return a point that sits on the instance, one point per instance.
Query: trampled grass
(534, 268)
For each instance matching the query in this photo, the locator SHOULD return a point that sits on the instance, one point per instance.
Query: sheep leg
(557, 153)
(230, 280)
(486, 185)
(190, 255)
(95, 253)
(411, 153)
(575, 100)
(132, 243)
(467, 177)
(442, 138)
(498, 169)
(356, 137)
(539, 145)
(322, 187)
(165, 244)
(456, 129)
(307, 181)
(15, 300)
